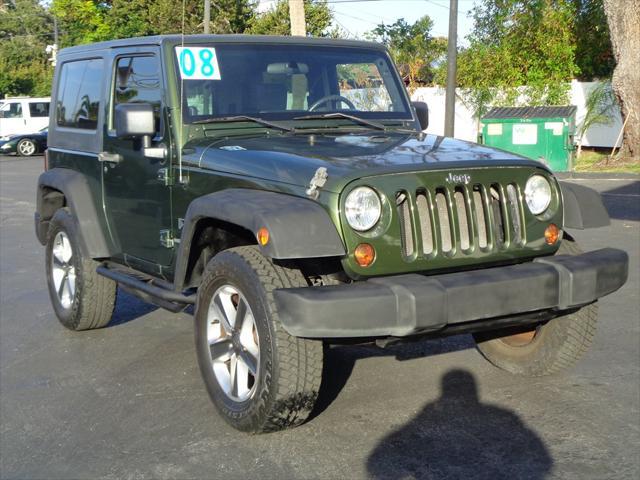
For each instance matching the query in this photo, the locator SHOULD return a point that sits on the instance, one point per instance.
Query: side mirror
(422, 112)
(134, 120)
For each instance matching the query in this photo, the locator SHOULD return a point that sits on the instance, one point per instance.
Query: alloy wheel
(233, 343)
(63, 270)
(27, 148)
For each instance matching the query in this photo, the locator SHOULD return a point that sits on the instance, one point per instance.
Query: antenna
(181, 102)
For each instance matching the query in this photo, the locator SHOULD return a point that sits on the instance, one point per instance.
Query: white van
(23, 114)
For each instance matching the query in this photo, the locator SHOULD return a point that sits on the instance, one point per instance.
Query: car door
(136, 200)
(12, 118)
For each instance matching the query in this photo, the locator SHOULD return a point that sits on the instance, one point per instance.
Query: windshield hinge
(166, 239)
(317, 182)
(164, 177)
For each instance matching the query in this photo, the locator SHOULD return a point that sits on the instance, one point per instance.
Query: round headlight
(537, 193)
(362, 208)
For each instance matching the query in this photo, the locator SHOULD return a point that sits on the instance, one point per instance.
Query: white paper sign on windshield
(198, 63)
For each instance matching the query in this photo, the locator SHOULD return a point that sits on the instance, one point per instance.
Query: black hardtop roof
(195, 39)
(531, 112)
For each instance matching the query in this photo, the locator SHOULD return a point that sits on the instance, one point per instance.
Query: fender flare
(298, 227)
(79, 198)
(583, 207)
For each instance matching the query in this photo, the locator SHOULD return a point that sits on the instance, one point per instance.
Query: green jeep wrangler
(283, 189)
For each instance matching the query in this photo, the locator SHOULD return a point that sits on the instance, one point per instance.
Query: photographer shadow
(457, 436)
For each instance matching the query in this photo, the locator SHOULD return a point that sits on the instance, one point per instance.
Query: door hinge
(166, 239)
(164, 177)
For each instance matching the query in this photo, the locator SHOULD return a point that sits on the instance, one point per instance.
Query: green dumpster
(540, 133)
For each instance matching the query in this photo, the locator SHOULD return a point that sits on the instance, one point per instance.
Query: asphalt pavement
(127, 402)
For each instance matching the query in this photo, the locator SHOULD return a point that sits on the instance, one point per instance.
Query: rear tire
(81, 299)
(551, 347)
(277, 375)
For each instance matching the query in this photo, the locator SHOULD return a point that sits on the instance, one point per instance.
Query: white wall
(466, 126)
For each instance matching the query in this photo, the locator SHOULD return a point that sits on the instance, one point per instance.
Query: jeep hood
(293, 159)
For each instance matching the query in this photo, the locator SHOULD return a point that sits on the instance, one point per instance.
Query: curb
(597, 176)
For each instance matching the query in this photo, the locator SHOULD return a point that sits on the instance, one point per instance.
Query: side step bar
(148, 289)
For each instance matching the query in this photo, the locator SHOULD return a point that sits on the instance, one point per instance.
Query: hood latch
(317, 182)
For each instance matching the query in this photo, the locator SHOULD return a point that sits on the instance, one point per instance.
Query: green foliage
(81, 21)
(520, 52)
(594, 54)
(24, 33)
(275, 21)
(413, 48)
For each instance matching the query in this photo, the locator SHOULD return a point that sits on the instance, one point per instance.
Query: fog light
(364, 254)
(263, 236)
(551, 234)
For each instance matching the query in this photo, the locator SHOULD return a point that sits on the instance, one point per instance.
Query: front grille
(460, 220)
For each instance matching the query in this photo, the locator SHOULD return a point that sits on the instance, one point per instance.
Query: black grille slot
(460, 220)
(495, 203)
(514, 214)
(424, 216)
(463, 218)
(444, 222)
(481, 218)
(406, 230)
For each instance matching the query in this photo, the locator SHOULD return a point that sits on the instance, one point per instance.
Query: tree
(623, 17)
(594, 54)
(520, 52)
(81, 21)
(275, 21)
(25, 30)
(413, 49)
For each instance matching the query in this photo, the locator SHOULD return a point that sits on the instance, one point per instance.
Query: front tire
(26, 148)
(259, 377)
(81, 299)
(548, 348)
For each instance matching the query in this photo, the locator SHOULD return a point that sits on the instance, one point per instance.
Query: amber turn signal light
(364, 254)
(551, 234)
(263, 236)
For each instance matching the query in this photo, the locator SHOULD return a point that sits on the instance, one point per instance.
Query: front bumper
(412, 304)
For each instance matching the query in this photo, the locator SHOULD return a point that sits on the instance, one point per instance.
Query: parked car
(23, 114)
(25, 144)
(242, 177)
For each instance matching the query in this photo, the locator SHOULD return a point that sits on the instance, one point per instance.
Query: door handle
(109, 157)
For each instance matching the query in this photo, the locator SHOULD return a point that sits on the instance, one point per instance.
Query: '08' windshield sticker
(198, 63)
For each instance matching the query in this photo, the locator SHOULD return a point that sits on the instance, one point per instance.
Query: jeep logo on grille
(458, 178)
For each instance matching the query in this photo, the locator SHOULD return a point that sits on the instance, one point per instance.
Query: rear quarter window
(78, 102)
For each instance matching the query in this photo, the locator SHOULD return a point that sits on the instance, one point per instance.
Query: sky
(360, 16)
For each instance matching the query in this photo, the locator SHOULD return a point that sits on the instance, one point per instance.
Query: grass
(598, 161)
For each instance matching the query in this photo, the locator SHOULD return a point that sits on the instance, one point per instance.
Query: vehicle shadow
(622, 202)
(339, 361)
(129, 308)
(458, 436)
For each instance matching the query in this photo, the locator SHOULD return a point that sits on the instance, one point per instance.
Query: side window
(363, 85)
(138, 81)
(39, 109)
(78, 100)
(11, 110)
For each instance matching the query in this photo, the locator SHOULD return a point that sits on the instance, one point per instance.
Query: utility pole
(452, 54)
(296, 15)
(53, 49)
(207, 16)
(55, 31)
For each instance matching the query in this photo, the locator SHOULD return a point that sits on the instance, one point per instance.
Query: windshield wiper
(346, 116)
(246, 118)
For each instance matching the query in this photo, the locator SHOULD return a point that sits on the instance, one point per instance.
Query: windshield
(281, 82)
